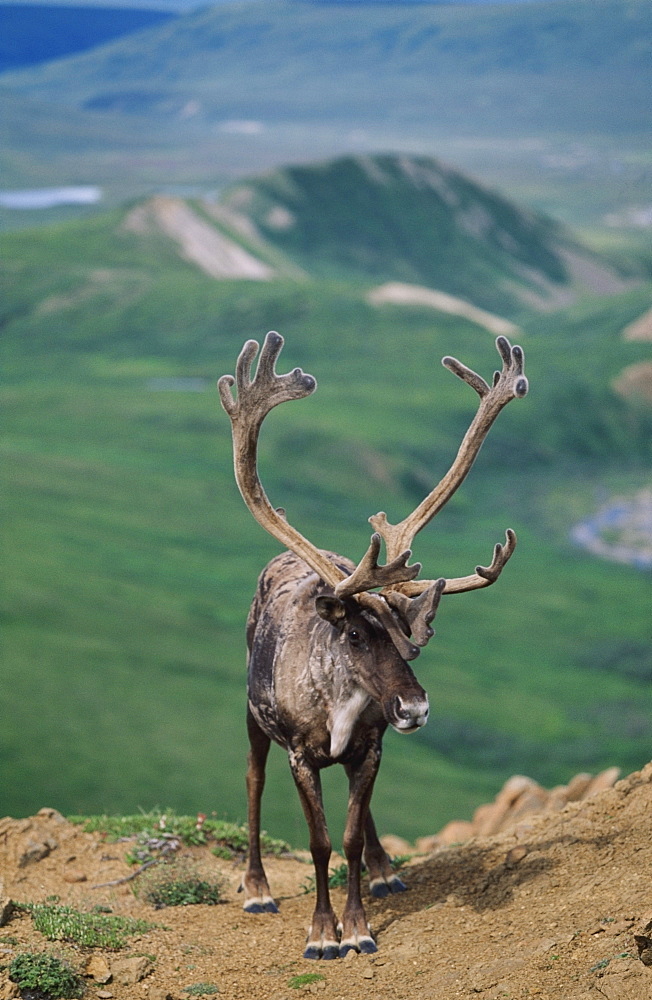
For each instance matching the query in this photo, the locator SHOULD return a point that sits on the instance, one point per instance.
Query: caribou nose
(410, 714)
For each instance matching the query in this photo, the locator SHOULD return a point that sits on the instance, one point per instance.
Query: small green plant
(179, 882)
(92, 930)
(201, 989)
(46, 975)
(338, 877)
(296, 982)
(157, 830)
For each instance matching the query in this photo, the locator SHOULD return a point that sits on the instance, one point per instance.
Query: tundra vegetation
(129, 561)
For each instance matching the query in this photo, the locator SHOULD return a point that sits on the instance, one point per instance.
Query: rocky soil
(555, 906)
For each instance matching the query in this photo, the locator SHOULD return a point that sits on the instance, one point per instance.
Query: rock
(515, 855)
(6, 909)
(74, 876)
(578, 786)
(35, 850)
(130, 970)
(8, 990)
(396, 846)
(625, 987)
(644, 946)
(426, 845)
(455, 832)
(98, 969)
(52, 814)
(606, 779)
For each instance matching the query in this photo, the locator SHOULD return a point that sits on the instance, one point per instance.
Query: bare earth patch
(401, 294)
(198, 241)
(548, 909)
(640, 329)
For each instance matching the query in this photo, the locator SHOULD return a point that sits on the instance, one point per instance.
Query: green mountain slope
(416, 220)
(129, 560)
(576, 65)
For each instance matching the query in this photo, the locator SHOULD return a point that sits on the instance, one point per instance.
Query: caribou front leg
(258, 898)
(322, 940)
(356, 932)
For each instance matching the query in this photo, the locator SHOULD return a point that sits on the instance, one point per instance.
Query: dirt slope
(548, 909)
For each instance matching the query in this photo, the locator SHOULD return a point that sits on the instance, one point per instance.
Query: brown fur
(312, 683)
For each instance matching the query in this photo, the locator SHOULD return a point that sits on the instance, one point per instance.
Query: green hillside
(129, 559)
(417, 220)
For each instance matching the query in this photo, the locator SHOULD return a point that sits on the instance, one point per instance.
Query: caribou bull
(329, 644)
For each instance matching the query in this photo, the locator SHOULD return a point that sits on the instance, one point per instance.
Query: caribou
(329, 644)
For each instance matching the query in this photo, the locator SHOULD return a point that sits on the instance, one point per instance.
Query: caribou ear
(332, 609)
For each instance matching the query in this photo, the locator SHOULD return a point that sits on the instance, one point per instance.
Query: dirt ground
(548, 910)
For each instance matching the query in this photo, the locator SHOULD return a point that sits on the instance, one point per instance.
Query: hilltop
(415, 220)
(555, 907)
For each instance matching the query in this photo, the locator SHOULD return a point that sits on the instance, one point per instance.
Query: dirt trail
(546, 910)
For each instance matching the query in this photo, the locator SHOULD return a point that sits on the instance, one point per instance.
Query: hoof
(325, 951)
(380, 888)
(365, 945)
(260, 906)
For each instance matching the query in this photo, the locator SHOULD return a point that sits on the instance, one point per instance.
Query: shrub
(45, 975)
(179, 882)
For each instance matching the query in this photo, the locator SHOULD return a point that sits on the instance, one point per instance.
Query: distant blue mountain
(35, 33)
(412, 3)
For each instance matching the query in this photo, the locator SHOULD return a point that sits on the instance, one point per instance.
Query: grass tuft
(91, 930)
(306, 979)
(156, 828)
(201, 989)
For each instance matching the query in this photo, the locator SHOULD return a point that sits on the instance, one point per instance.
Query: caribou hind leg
(382, 880)
(258, 898)
(323, 934)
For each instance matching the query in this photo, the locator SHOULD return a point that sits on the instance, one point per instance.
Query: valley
(408, 194)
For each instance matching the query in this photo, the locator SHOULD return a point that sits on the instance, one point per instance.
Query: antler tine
(508, 384)
(255, 398)
(419, 611)
(368, 574)
(484, 576)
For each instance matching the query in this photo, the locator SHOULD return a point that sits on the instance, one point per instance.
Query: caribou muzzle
(406, 715)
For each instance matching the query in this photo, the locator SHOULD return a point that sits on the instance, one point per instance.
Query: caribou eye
(354, 637)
